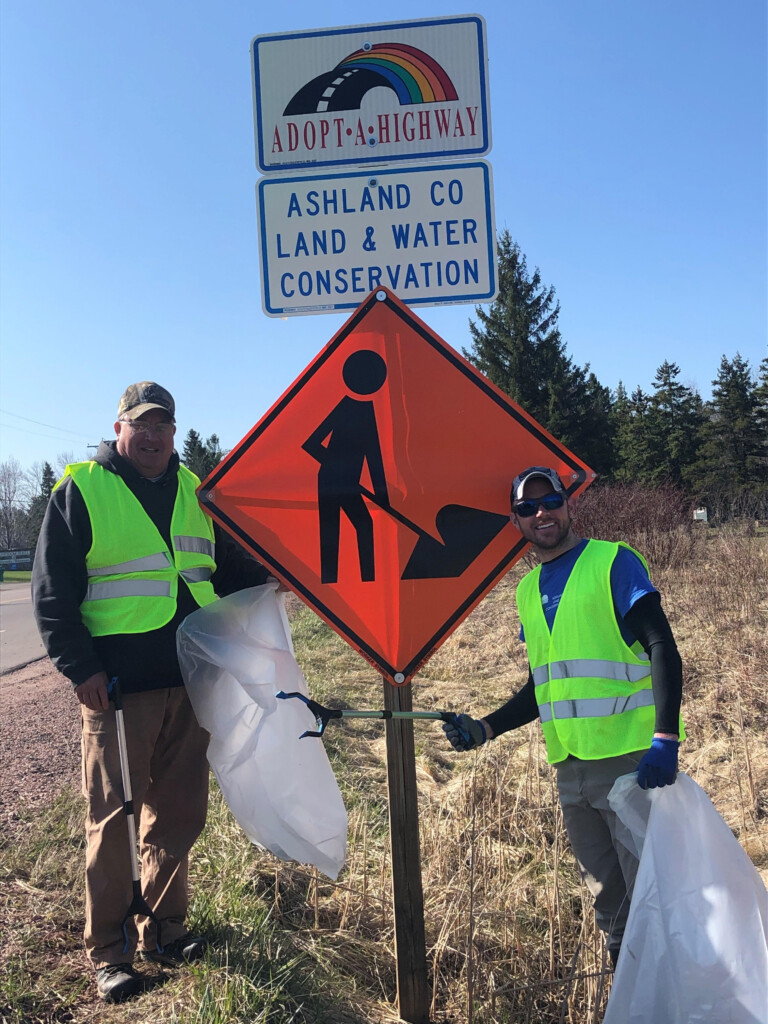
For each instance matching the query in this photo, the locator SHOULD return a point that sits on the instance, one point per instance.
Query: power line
(76, 433)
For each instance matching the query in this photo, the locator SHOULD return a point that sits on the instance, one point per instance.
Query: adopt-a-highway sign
(426, 233)
(371, 94)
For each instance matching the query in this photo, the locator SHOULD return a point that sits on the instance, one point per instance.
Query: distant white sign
(384, 92)
(427, 233)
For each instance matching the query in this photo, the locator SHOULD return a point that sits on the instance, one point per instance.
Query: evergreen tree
(199, 456)
(732, 473)
(193, 453)
(48, 481)
(761, 394)
(675, 421)
(39, 503)
(635, 443)
(580, 415)
(518, 346)
(213, 453)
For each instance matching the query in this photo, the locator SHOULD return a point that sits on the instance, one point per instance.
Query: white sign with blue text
(371, 93)
(426, 233)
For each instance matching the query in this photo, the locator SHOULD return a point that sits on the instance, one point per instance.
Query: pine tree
(635, 443)
(675, 421)
(580, 415)
(761, 394)
(732, 473)
(213, 453)
(518, 346)
(39, 503)
(199, 456)
(193, 454)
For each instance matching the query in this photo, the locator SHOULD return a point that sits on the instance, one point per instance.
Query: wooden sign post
(408, 896)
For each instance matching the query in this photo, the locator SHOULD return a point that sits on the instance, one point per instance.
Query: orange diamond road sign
(378, 486)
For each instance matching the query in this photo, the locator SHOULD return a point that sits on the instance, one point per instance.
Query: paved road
(19, 640)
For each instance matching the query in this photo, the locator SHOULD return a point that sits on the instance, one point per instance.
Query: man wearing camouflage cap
(125, 554)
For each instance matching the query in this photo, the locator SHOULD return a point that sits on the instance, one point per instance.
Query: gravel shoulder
(39, 738)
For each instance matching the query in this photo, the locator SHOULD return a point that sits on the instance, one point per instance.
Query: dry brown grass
(510, 932)
(509, 927)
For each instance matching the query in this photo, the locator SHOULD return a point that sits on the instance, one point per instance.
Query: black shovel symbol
(465, 532)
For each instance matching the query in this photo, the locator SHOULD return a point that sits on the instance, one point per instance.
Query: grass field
(509, 930)
(17, 575)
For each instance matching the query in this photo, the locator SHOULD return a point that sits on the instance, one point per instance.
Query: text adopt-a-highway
(426, 233)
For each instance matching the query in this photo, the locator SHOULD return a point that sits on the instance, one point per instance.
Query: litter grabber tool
(324, 715)
(138, 904)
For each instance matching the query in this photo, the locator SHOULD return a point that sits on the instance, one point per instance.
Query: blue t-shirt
(629, 582)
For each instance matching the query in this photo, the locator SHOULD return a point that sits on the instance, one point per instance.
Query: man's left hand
(658, 766)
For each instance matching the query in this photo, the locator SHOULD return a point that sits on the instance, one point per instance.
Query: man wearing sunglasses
(124, 555)
(605, 681)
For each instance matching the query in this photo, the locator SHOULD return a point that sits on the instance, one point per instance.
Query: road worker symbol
(351, 441)
(377, 486)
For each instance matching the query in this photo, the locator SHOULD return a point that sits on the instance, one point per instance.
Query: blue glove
(465, 733)
(659, 765)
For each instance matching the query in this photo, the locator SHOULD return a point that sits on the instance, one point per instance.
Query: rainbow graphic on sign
(410, 73)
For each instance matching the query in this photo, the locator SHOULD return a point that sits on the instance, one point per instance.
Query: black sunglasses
(528, 508)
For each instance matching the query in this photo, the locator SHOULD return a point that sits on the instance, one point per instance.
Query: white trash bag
(235, 655)
(695, 949)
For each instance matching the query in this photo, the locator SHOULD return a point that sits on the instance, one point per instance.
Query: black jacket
(142, 661)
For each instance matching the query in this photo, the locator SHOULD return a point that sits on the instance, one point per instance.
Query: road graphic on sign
(413, 75)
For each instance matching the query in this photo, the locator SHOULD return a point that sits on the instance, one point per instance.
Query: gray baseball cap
(140, 398)
(518, 484)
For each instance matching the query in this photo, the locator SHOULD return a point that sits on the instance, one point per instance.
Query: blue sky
(629, 162)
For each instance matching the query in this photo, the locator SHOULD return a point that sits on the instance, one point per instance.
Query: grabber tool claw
(324, 715)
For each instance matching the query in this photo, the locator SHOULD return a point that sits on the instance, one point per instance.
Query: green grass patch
(16, 575)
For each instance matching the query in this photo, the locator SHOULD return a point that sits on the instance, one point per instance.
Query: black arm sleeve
(519, 710)
(649, 624)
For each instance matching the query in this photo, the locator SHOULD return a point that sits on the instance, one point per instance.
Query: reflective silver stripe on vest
(592, 668)
(595, 707)
(199, 545)
(145, 564)
(541, 675)
(196, 575)
(127, 588)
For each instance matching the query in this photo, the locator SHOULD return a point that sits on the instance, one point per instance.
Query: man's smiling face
(147, 442)
(549, 530)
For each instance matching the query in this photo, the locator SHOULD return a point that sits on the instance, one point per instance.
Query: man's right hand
(465, 733)
(93, 692)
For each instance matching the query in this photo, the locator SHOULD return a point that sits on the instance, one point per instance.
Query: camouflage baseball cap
(140, 398)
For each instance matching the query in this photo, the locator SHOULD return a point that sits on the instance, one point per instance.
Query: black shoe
(182, 951)
(117, 982)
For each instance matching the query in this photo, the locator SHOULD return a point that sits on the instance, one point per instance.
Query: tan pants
(607, 867)
(169, 778)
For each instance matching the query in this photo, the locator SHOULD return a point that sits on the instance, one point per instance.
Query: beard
(552, 537)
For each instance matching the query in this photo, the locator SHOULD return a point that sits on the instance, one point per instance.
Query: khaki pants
(169, 779)
(607, 867)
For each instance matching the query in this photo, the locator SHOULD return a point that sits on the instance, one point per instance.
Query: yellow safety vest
(133, 578)
(594, 693)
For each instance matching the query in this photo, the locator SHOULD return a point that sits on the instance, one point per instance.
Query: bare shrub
(657, 521)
